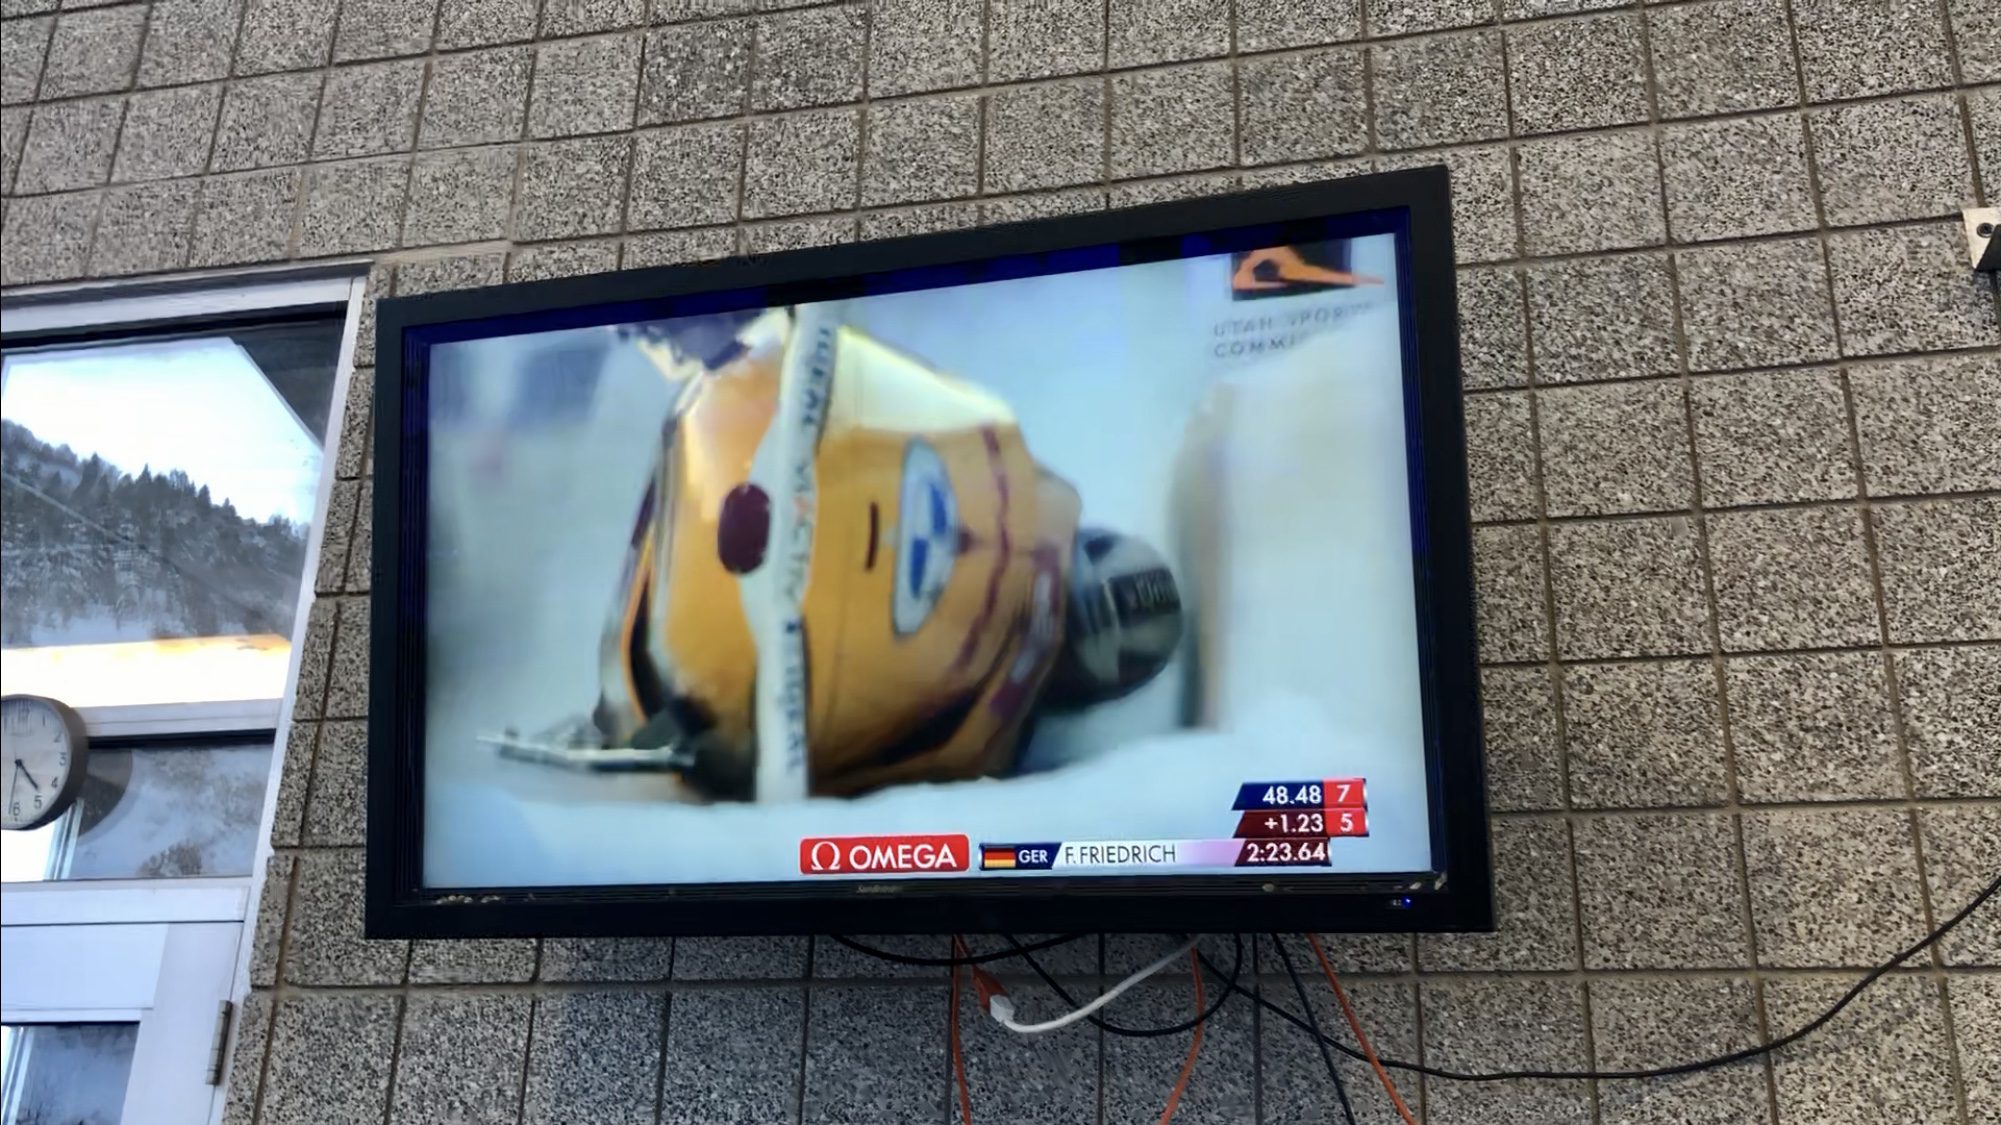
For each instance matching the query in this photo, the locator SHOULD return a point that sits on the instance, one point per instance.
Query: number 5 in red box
(1347, 822)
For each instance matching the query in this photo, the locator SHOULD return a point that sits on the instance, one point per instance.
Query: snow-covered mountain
(90, 553)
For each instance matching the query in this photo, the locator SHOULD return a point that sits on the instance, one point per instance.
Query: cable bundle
(996, 1002)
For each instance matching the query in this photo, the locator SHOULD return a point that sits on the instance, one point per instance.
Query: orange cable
(1361, 1036)
(958, 1056)
(1194, 1046)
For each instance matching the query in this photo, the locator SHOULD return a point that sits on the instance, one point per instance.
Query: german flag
(993, 858)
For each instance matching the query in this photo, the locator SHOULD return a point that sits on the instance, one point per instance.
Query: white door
(108, 1020)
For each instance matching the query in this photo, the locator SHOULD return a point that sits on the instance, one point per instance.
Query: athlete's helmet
(1124, 619)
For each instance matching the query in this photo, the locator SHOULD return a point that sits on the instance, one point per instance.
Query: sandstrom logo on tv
(1282, 271)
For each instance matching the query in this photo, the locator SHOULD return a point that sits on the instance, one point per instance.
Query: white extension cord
(1001, 1008)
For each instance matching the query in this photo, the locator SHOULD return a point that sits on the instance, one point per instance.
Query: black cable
(1313, 1022)
(1110, 1028)
(950, 962)
(1737, 1056)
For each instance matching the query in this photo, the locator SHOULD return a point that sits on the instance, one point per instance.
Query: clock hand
(23, 771)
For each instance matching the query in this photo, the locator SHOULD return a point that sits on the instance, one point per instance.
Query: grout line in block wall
(1236, 89)
(660, 1056)
(309, 176)
(744, 137)
(402, 994)
(522, 145)
(1104, 80)
(1821, 365)
(1950, 39)
(986, 41)
(42, 67)
(1958, 1070)
(799, 985)
(202, 177)
(943, 1084)
(277, 981)
(1858, 502)
(1684, 657)
(1103, 1063)
(864, 118)
(1258, 971)
(125, 96)
(1421, 977)
(629, 173)
(805, 1038)
(527, 1052)
(1578, 940)
(430, 57)
(312, 758)
(1960, 85)
(1828, 805)
(1415, 994)
(983, 106)
(1982, 190)
(139, 53)
(229, 79)
(1371, 144)
(97, 212)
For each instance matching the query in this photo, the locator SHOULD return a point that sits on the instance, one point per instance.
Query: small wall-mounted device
(1983, 237)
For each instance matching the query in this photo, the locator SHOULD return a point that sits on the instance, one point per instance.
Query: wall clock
(43, 751)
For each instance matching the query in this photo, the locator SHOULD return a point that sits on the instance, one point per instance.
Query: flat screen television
(1106, 572)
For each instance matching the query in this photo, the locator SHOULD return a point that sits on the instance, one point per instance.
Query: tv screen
(1104, 572)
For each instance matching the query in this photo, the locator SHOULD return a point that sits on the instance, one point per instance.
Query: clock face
(41, 760)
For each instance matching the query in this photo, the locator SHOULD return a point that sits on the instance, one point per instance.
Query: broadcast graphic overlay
(1277, 824)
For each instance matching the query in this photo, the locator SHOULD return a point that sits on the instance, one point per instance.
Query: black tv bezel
(1458, 896)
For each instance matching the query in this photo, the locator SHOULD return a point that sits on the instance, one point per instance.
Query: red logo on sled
(882, 855)
(743, 529)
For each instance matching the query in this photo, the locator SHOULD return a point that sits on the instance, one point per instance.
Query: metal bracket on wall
(1983, 237)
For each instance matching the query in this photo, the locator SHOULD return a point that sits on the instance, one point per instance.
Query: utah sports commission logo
(1288, 271)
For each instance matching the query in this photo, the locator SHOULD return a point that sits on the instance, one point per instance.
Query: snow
(1167, 786)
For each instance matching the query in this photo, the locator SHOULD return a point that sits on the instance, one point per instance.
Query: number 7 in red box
(1344, 793)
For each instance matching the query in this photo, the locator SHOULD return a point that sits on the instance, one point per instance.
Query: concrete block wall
(1735, 420)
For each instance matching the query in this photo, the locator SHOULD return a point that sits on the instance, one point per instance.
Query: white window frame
(193, 908)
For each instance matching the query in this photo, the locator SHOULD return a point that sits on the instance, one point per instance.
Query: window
(67, 1073)
(157, 495)
(153, 809)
